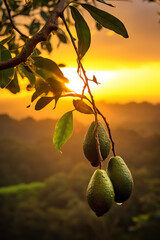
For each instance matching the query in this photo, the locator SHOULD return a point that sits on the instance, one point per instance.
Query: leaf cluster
(37, 13)
(43, 74)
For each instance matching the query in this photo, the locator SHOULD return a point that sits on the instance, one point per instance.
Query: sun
(75, 82)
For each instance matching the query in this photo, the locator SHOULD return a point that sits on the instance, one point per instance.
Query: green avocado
(121, 178)
(100, 192)
(89, 144)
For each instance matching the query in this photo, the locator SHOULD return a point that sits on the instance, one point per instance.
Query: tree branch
(40, 36)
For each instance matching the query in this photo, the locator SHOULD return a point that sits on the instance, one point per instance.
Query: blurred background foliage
(42, 193)
(29, 17)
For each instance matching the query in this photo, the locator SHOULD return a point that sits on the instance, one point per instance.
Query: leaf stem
(85, 79)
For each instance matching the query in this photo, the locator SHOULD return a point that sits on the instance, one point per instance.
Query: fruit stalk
(109, 132)
(85, 80)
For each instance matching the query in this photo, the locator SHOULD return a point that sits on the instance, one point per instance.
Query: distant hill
(137, 112)
(27, 153)
(143, 118)
(41, 188)
(27, 129)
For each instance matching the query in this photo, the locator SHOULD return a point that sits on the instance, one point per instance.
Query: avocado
(121, 178)
(100, 192)
(89, 144)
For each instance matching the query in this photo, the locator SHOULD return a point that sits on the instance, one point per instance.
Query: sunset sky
(128, 69)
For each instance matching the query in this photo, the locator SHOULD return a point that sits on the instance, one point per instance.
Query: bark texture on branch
(40, 36)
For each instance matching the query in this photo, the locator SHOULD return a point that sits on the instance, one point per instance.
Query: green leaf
(108, 4)
(34, 97)
(47, 64)
(42, 102)
(46, 46)
(34, 27)
(27, 72)
(62, 37)
(83, 32)
(57, 97)
(13, 5)
(5, 40)
(41, 86)
(98, 26)
(82, 107)
(63, 130)
(44, 15)
(56, 86)
(26, 9)
(106, 20)
(5, 29)
(7, 74)
(13, 86)
(48, 67)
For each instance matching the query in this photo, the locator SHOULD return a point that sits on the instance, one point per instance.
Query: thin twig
(10, 18)
(85, 80)
(109, 131)
(96, 110)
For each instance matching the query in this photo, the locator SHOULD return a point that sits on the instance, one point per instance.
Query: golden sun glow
(76, 84)
(121, 85)
(117, 86)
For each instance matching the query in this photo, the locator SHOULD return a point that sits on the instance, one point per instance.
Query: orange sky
(110, 51)
(128, 69)
(131, 66)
